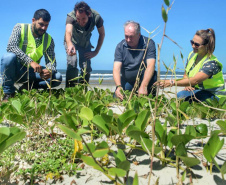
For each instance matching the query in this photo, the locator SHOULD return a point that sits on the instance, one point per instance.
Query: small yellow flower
(49, 176)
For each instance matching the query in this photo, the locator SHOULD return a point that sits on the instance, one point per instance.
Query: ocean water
(108, 75)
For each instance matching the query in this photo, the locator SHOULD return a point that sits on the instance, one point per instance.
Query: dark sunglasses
(195, 43)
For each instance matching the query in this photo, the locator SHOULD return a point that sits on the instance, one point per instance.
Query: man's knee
(8, 58)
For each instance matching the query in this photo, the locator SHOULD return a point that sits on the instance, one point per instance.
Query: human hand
(45, 74)
(189, 88)
(163, 83)
(142, 90)
(37, 68)
(91, 54)
(71, 50)
(118, 93)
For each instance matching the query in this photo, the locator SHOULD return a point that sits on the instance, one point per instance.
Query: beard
(39, 32)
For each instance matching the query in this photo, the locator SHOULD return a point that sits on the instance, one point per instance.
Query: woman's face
(197, 45)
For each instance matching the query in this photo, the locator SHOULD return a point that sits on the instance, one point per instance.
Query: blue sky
(184, 19)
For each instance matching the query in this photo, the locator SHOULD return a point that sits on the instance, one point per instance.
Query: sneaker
(7, 96)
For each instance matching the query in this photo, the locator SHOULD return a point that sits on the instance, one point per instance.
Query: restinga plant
(9, 136)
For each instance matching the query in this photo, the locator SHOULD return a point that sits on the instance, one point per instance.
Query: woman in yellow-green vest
(203, 77)
(21, 64)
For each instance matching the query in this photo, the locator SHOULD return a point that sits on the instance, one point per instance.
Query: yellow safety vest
(215, 84)
(28, 45)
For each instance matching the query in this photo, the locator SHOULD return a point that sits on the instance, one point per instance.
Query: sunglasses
(195, 43)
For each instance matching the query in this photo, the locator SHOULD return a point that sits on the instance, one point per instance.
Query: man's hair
(82, 7)
(42, 13)
(136, 25)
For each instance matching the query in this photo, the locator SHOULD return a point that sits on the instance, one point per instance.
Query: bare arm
(147, 76)
(117, 78)
(68, 38)
(92, 54)
(197, 79)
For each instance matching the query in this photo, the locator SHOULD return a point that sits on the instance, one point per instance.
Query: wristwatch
(118, 86)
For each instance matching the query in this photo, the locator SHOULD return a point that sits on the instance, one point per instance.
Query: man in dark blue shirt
(129, 55)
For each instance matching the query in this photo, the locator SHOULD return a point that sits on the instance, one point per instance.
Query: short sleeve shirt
(131, 59)
(210, 68)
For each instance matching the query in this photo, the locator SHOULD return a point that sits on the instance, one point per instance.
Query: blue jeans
(13, 71)
(201, 95)
(72, 70)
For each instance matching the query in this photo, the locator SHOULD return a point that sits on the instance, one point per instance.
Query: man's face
(39, 27)
(131, 37)
(82, 18)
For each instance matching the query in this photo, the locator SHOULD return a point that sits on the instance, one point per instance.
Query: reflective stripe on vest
(215, 84)
(28, 45)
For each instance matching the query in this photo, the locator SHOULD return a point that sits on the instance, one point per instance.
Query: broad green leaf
(171, 119)
(91, 147)
(86, 113)
(119, 157)
(190, 130)
(11, 140)
(223, 168)
(135, 179)
(90, 161)
(16, 118)
(101, 149)
(69, 132)
(17, 105)
(171, 133)
(181, 139)
(181, 150)
(173, 106)
(189, 161)
(212, 147)
(222, 101)
(135, 133)
(125, 165)
(201, 108)
(201, 130)
(160, 132)
(184, 175)
(222, 125)
(83, 131)
(146, 143)
(184, 105)
(164, 14)
(89, 96)
(68, 119)
(101, 124)
(142, 119)
(117, 172)
(126, 118)
(5, 131)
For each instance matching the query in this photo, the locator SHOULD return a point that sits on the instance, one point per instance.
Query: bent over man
(27, 44)
(129, 54)
(79, 25)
